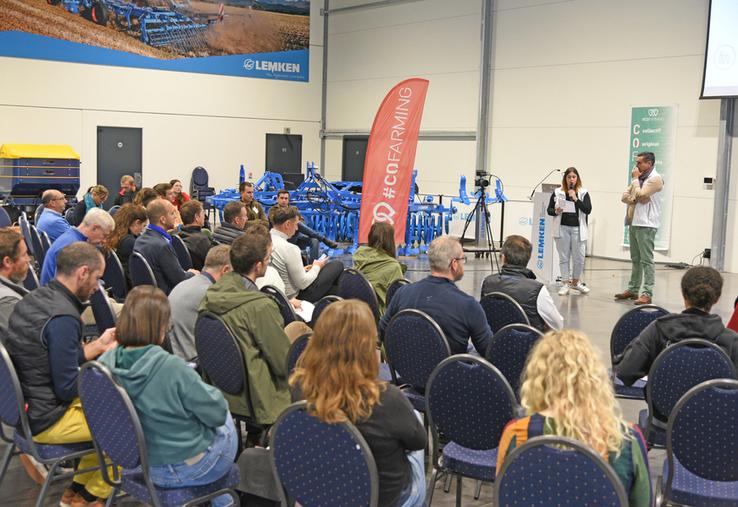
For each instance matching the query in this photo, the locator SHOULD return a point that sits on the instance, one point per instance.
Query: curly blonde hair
(337, 373)
(565, 377)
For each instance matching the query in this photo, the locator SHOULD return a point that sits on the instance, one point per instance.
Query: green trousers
(641, 255)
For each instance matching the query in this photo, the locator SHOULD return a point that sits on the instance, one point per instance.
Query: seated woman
(701, 289)
(189, 433)
(377, 260)
(93, 198)
(567, 392)
(179, 197)
(130, 220)
(337, 375)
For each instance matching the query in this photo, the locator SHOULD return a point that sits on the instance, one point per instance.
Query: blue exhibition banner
(266, 39)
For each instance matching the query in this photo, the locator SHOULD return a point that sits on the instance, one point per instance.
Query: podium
(544, 260)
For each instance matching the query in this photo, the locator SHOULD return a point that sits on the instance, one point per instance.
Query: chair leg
(458, 490)
(431, 487)
(478, 490)
(6, 461)
(447, 483)
(47, 483)
(111, 499)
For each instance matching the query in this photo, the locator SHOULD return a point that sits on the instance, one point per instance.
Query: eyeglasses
(461, 259)
(62, 198)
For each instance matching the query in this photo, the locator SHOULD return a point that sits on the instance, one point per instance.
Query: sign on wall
(250, 38)
(654, 129)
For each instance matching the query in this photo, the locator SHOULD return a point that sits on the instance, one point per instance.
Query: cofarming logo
(269, 66)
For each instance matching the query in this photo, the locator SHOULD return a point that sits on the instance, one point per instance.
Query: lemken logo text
(268, 66)
(541, 242)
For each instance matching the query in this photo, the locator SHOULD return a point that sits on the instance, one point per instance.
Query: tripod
(481, 210)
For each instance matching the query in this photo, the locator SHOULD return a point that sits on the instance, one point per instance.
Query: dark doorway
(118, 153)
(284, 153)
(354, 153)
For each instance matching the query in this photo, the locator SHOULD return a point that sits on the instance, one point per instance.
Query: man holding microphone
(644, 217)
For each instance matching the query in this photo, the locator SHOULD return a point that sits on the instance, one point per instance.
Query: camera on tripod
(481, 180)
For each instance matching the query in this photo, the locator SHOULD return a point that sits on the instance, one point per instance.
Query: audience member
(254, 210)
(190, 436)
(130, 221)
(14, 262)
(458, 314)
(52, 220)
(94, 198)
(127, 191)
(306, 237)
(377, 261)
(198, 243)
(94, 229)
(45, 344)
(701, 289)
(234, 221)
(337, 375)
(311, 283)
(186, 297)
(519, 282)
(164, 191)
(255, 321)
(155, 244)
(567, 392)
(145, 196)
(178, 196)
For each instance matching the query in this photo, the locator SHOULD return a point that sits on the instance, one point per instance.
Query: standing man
(51, 221)
(644, 217)
(254, 209)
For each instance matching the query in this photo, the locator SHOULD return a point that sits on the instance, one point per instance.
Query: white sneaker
(581, 288)
(564, 290)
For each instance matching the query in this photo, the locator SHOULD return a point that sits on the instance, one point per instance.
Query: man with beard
(14, 261)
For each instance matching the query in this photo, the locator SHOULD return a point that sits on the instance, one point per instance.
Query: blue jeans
(215, 463)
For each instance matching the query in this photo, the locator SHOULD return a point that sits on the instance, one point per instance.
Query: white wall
(218, 122)
(565, 75)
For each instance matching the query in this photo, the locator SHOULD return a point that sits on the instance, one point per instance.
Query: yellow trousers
(71, 429)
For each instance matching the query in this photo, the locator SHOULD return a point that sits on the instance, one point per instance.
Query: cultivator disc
(173, 31)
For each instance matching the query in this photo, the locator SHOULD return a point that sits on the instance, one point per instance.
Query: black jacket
(30, 354)
(162, 259)
(197, 243)
(636, 360)
(226, 233)
(520, 284)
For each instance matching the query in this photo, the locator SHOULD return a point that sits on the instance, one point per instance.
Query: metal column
(324, 85)
(485, 75)
(722, 183)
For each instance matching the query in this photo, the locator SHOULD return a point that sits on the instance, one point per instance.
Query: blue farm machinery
(173, 27)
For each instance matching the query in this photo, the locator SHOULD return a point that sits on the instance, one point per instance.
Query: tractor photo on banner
(390, 156)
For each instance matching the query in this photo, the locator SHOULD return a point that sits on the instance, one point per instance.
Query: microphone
(530, 197)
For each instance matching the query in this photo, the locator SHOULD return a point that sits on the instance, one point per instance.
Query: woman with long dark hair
(570, 206)
(337, 375)
(179, 197)
(130, 221)
(377, 260)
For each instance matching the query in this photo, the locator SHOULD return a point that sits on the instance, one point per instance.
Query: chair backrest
(502, 310)
(25, 229)
(415, 345)
(140, 270)
(353, 285)
(285, 307)
(296, 349)
(39, 252)
(316, 463)
(508, 351)
(11, 395)
(37, 213)
(69, 214)
(469, 402)
(630, 325)
(219, 355)
(321, 305)
(557, 472)
(702, 432)
(114, 276)
(45, 241)
(183, 255)
(5, 220)
(31, 282)
(680, 367)
(101, 309)
(111, 417)
(400, 282)
(113, 210)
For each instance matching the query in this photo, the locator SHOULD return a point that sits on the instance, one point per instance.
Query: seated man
(254, 209)
(306, 237)
(307, 283)
(254, 319)
(51, 221)
(155, 244)
(127, 191)
(95, 228)
(197, 242)
(234, 220)
(457, 313)
(186, 297)
(45, 344)
(14, 261)
(519, 282)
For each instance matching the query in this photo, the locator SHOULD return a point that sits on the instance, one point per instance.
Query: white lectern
(544, 261)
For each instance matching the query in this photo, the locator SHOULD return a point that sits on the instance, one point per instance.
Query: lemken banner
(251, 38)
(390, 155)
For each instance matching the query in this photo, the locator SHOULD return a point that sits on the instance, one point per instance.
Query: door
(354, 153)
(118, 153)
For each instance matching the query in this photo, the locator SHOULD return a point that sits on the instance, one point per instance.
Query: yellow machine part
(51, 151)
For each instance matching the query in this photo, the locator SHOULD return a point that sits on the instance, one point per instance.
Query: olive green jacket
(380, 269)
(254, 319)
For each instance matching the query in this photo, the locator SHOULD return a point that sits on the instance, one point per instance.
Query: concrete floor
(595, 313)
